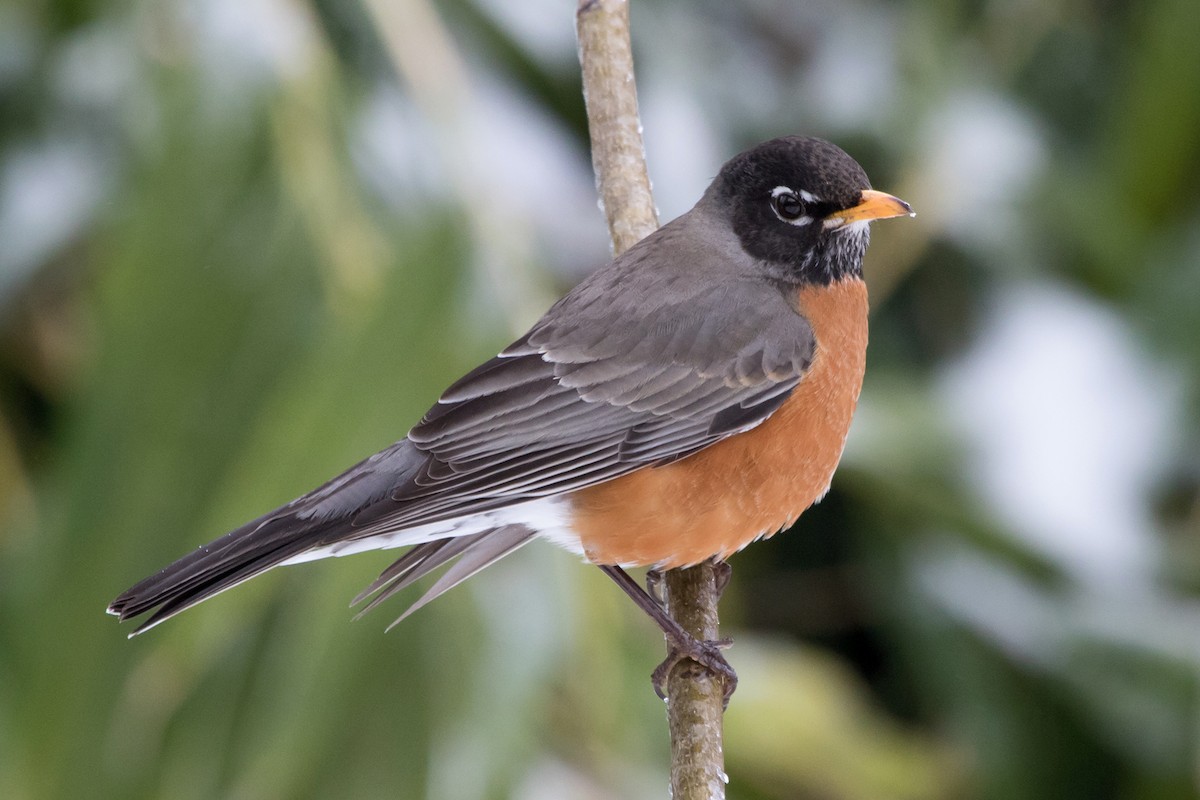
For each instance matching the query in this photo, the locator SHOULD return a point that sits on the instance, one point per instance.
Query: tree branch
(695, 696)
(618, 156)
(695, 703)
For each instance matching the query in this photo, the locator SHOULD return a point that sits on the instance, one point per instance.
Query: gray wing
(639, 366)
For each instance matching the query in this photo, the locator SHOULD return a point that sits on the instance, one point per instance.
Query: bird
(686, 399)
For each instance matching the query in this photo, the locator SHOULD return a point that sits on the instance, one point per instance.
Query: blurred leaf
(803, 726)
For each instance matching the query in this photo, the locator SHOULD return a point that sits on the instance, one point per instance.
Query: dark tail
(342, 509)
(323, 516)
(235, 557)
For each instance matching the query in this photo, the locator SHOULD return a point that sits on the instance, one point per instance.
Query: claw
(680, 644)
(707, 655)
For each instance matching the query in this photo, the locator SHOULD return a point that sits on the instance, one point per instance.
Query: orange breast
(750, 485)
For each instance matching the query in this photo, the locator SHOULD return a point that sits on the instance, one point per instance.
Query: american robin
(688, 398)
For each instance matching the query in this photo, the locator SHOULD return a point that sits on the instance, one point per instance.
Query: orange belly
(752, 484)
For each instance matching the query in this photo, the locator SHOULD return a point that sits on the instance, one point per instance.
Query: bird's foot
(681, 645)
(706, 655)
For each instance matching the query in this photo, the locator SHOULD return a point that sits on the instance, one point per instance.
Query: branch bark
(618, 155)
(695, 697)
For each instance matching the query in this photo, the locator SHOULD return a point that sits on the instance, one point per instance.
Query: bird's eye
(787, 205)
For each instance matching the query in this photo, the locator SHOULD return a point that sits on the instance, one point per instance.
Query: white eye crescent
(789, 207)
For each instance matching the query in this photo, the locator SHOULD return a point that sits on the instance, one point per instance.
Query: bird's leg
(680, 643)
(722, 573)
(654, 580)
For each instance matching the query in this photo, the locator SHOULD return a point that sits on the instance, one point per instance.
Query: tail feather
(469, 555)
(487, 550)
(354, 511)
(412, 566)
(210, 570)
(318, 518)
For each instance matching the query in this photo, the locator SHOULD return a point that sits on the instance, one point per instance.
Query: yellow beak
(874, 205)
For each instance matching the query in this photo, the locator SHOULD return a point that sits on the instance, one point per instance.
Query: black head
(798, 204)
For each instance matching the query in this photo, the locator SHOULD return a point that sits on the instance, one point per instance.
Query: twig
(695, 696)
(695, 701)
(618, 156)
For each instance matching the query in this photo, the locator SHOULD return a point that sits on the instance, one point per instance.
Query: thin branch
(618, 155)
(695, 696)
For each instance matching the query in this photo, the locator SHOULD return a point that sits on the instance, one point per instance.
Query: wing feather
(590, 399)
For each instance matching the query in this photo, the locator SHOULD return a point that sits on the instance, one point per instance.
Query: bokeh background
(244, 243)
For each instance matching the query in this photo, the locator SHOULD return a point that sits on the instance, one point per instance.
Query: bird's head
(802, 207)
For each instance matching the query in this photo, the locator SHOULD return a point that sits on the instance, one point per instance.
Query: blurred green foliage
(243, 245)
